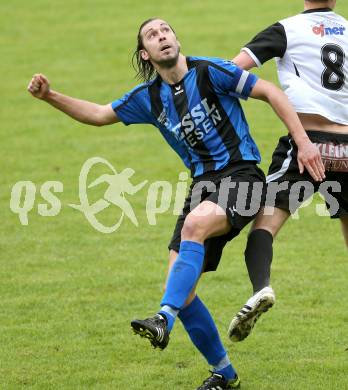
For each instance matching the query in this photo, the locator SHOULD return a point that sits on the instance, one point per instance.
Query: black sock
(258, 258)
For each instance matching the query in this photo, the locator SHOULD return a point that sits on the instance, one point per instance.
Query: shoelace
(213, 375)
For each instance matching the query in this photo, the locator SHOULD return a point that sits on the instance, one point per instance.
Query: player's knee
(267, 227)
(272, 222)
(193, 229)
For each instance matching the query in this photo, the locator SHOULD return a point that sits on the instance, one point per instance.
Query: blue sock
(184, 274)
(225, 368)
(170, 315)
(202, 330)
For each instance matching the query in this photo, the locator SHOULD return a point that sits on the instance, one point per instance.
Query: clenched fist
(39, 86)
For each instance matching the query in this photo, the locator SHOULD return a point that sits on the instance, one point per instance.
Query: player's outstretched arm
(244, 61)
(80, 110)
(308, 154)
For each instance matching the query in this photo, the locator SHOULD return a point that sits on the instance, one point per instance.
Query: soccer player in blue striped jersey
(197, 115)
(193, 101)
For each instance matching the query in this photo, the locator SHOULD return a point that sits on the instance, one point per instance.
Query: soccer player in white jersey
(309, 49)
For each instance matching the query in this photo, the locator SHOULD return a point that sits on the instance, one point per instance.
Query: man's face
(160, 44)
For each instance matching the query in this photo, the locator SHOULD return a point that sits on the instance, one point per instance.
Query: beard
(168, 62)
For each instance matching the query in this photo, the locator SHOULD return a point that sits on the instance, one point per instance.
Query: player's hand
(39, 86)
(309, 157)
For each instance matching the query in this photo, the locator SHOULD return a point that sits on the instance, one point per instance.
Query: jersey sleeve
(134, 107)
(228, 78)
(267, 44)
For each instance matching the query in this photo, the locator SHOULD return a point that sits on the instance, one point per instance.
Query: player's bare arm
(244, 61)
(308, 154)
(80, 110)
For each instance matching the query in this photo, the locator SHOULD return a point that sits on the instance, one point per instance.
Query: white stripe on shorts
(284, 168)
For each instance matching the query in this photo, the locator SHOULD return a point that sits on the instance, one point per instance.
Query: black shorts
(284, 169)
(240, 203)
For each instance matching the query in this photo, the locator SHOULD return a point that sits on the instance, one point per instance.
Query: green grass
(68, 292)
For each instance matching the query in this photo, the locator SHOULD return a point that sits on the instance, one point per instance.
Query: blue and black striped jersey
(200, 117)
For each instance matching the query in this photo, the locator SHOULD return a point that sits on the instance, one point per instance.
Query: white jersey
(312, 66)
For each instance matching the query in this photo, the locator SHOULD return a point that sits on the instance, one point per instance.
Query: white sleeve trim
(253, 56)
(243, 79)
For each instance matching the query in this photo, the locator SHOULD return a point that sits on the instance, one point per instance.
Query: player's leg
(282, 173)
(204, 334)
(259, 253)
(168, 312)
(258, 258)
(202, 330)
(206, 220)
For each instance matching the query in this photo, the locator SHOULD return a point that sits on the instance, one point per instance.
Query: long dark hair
(145, 70)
